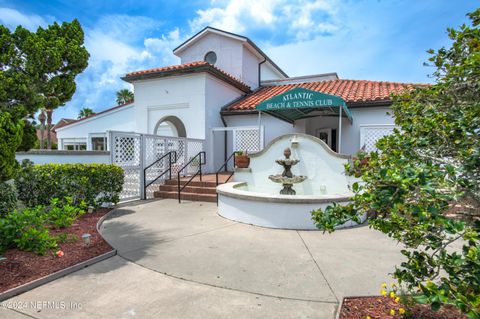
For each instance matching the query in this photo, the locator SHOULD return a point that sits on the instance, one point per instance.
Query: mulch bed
(379, 308)
(21, 267)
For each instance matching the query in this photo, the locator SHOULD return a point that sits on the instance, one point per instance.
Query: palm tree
(85, 112)
(124, 96)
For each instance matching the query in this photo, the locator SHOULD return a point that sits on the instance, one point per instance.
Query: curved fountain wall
(254, 199)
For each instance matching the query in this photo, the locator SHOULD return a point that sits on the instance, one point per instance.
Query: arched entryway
(170, 126)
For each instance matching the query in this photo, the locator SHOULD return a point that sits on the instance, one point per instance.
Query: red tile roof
(192, 67)
(96, 114)
(352, 91)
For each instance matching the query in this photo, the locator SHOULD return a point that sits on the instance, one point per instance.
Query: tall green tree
(124, 96)
(38, 70)
(29, 137)
(422, 186)
(85, 112)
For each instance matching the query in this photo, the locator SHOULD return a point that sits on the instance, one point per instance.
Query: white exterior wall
(351, 132)
(350, 143)
(250, 69)
(229, 53)
(267, 72)
(218, 94)
(180, 96)
(65, 157)
(121, 119)
(273, 127)
(362, 116)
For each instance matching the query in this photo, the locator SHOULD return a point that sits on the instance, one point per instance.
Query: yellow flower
(383, 292)
(392, 295)
(368, 317)
(393, 285)
(397, 300)
(401, 311)
(392, 312)
(384, 285)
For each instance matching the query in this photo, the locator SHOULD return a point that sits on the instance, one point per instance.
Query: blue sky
(359, 39)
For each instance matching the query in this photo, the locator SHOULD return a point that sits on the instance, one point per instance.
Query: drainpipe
(225, 144)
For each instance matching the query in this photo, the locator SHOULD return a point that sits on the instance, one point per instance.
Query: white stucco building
(216, 90)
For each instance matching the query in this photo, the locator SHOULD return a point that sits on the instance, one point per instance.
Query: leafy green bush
(35, 239)
(8, 198)
(92, 183)
(416, 185)
(61, 214)
(28, 229)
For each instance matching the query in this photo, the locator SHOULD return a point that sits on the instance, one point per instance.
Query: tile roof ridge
(98, 113)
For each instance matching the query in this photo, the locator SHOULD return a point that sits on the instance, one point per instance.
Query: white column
(339, 143)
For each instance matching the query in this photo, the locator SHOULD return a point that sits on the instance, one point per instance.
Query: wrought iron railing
(172, 159)
(225, 167)
(201, 162)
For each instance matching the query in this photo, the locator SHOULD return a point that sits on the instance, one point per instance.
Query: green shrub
(92, 183)
(35, 239)
(26, 230)
(8, 199)
(61, 214)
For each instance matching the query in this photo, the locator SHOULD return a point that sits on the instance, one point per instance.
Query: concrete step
(194, 183)
(186, 196)
(189, 189)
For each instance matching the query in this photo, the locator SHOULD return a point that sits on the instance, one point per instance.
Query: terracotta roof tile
(352, 91)
(96, 114)
(186, 66)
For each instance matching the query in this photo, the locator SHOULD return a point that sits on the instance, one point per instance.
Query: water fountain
(287, 178)
(253, 199)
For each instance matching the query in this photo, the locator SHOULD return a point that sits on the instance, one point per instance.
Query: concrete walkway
(185, 261)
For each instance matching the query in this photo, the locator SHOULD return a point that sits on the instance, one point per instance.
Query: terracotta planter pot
(242, 161)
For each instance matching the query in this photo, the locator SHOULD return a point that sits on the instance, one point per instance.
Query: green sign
(300, 98)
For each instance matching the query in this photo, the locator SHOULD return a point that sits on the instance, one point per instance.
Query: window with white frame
(97, 141)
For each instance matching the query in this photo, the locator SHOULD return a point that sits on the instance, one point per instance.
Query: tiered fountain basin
(254, 199)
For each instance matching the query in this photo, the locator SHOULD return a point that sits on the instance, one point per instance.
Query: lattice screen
(126, 154)
(369, 135)
(246, 140)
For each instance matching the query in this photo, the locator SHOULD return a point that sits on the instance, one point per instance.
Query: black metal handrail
(225, 166)
(198, 172)
(169, 170)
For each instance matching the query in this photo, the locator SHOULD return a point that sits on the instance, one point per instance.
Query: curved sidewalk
(185, 261)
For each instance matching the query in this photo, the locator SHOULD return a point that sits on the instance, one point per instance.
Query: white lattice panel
(247, 140)
(369, 135)
(133, 152)
(126, 153)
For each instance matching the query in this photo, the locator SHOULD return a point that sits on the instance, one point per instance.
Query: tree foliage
(29, 137)
(124, 96)
(10, 138)
(85, 112)
(422, 186)
(37, 70)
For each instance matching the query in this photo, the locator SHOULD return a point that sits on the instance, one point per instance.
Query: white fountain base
(274, 211)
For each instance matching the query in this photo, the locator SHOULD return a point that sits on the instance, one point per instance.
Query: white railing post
(141, 163)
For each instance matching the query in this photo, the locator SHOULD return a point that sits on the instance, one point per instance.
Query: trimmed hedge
(92, 183)
(8, 199)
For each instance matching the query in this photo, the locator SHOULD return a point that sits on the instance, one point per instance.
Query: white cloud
(117, 45)
(11, 18)
(301, 19)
